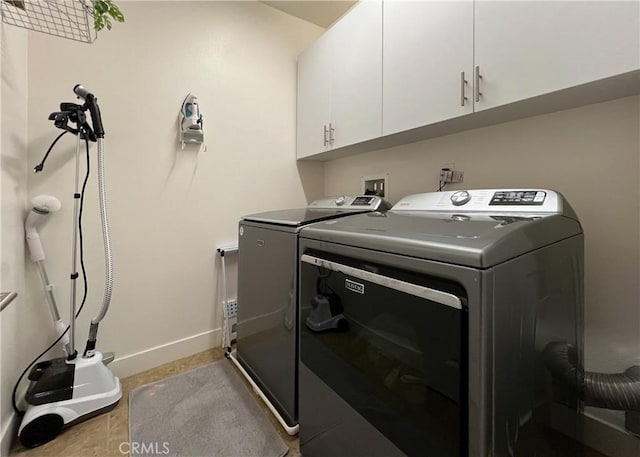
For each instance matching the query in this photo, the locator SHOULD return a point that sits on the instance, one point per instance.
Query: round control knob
(340, 201)
(460, 198)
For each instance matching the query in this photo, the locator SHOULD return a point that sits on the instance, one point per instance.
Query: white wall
(591, 155)
(169, 209)
(19, 342)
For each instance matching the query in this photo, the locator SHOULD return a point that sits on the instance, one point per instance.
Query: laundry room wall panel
(591, 155)
(19, 342)
(170, 208)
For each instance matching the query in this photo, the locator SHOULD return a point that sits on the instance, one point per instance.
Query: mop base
(94, 390)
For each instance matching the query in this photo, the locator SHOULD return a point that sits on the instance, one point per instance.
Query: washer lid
(298, 216)
(318, 210)
(478, 240)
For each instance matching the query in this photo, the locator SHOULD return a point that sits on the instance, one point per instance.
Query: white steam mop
(67, 390)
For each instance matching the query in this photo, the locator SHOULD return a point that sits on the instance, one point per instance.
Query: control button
(460, 198)
(538, 199)
(340, 201)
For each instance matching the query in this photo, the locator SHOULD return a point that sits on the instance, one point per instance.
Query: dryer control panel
(351, 202)
(485, 200)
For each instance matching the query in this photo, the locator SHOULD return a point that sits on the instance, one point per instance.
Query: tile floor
(102, 436)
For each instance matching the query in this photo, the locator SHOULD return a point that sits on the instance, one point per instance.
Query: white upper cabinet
(314, 98)
(428, 50)
(398, 71)
(340, 83)
(356, 95)
(525, 49)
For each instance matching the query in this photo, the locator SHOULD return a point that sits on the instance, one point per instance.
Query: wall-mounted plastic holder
(191, 137)
(191, 123)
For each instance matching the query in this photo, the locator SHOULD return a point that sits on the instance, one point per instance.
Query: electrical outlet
(231, 308)
(450, 176)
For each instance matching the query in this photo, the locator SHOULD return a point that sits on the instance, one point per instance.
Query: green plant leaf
(98, 23)
(103, 11)
(101, 7)
(117, 15)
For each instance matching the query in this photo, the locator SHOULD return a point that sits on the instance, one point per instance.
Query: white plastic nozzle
(42, 206)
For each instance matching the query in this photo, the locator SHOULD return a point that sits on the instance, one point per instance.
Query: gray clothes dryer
(447, 302)
(267, 331)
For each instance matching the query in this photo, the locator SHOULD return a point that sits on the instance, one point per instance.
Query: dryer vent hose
(619, 391)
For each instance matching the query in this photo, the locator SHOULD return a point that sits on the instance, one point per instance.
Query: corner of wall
(9, 431)
(13, 182)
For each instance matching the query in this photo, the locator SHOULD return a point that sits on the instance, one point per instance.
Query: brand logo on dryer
(354, 286)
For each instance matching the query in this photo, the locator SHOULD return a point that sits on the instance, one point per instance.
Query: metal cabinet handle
(477, 83)
(331, 132)
(462, 84)
(326, 139)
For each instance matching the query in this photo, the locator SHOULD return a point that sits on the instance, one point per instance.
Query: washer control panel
(485, 200)
(519, 197)
(460, 198)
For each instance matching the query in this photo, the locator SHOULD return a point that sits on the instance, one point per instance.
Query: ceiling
(320, 12)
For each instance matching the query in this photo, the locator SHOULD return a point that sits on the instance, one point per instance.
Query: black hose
(618, 391)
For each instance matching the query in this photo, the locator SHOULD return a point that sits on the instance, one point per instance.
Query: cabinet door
(525, 49)
(356, 94)
(314, 87)
(426, 47)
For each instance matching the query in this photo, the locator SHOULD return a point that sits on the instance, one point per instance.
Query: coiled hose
(108, 284)
(618, 391)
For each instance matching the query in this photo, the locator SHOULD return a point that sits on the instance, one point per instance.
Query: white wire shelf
(62, 18)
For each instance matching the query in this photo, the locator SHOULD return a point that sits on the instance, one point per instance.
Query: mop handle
(74, 256)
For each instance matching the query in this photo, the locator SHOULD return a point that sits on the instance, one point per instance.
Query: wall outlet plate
(450, 176)
(376, 185)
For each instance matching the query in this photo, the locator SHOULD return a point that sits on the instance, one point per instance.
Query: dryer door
(383, 361)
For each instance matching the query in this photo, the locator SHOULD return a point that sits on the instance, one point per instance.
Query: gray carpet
(202, 413)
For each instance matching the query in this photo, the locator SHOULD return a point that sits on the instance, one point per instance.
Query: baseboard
(150, 358)
(8, 433)
(608, 439)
